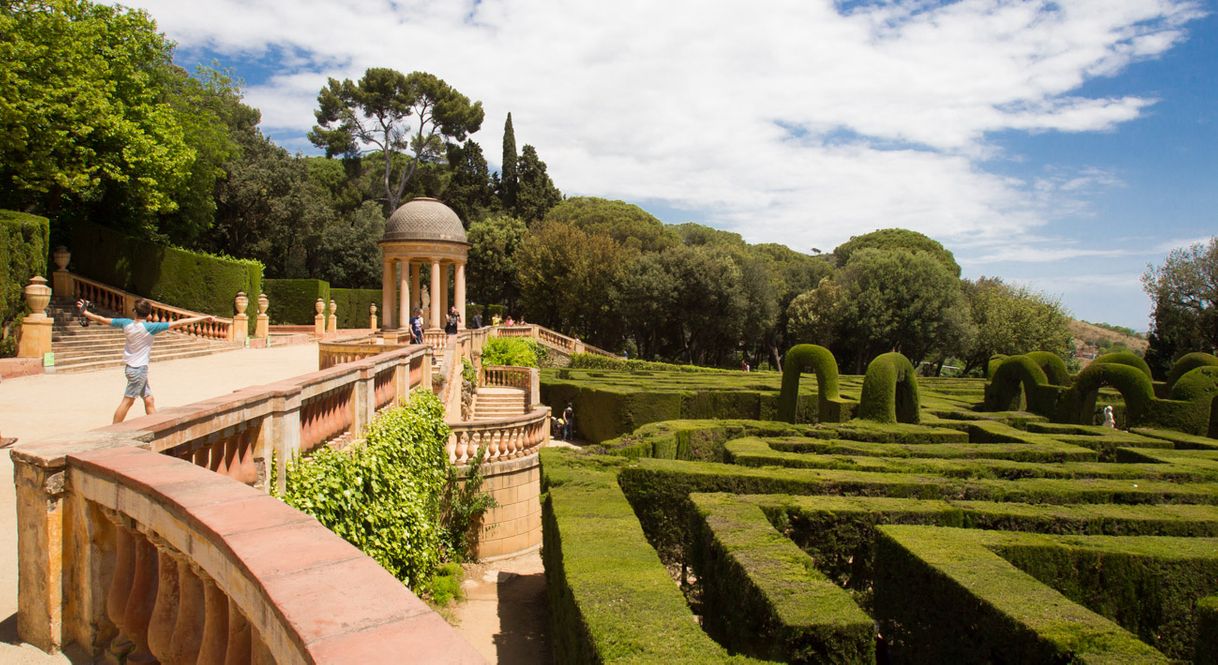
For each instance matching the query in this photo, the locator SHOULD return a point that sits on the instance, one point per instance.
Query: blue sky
(1060, 145)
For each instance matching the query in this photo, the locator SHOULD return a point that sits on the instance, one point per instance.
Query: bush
(383, 496)
(293, 300)
(597, 361)
(191, 280)
(23, 254)
(513, 351)
(890, 390)
(353, 306)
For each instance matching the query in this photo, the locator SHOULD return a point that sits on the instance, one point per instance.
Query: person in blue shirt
(416, 327)
(137, 350)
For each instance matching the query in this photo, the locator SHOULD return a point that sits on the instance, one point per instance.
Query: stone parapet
(513, 526)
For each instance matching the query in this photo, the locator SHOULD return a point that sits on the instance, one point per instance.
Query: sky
(1064, 146)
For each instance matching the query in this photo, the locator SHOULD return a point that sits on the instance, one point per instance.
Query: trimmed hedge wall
(293, 300)
(811, 357)
(24, 240)
(1187, 363)
(178, 277)
(353, 306)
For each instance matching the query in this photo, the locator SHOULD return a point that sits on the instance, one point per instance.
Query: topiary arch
(1016, 376)
(1124, 358)
(802, 358)
(890, 390)
(1133, 384)
(1189, 362)
(1052, 365)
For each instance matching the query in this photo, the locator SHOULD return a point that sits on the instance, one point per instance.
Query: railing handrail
(504, 438)
(185, 313)
(540, 333)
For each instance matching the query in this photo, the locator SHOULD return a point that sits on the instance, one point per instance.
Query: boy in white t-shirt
(137, 350)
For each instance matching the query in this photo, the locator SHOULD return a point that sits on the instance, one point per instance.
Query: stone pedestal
(319, 321)
(61, 279)
(35, 337)
(241, 321)
(332, 322)
(262, 328)
(372, 316)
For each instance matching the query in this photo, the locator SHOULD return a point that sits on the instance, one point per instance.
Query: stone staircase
(82, 349)
(497, 402)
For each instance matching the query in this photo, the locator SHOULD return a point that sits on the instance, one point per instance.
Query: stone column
(387, 293)
(444, 301)
(435, 295)
(241, 328)
(262, 327)
(36, 328)
(459, 287)
(404, 290)
(416, 292)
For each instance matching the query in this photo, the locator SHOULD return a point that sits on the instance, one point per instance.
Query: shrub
(1125, 358)
(23, 254)
(890, 390)
(802, 358)
(597, 361)
(293, 300)
(513, 351)
(190, 280)
(383, 496)
(353, 306)
(1187, 363)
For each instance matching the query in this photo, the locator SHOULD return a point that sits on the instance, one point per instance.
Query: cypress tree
(509, 180)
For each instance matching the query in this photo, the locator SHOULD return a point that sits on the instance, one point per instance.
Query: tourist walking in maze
(568, 419)
(416, 326)
(137, 351)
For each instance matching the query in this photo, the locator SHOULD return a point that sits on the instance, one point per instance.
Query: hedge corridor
(701, 526)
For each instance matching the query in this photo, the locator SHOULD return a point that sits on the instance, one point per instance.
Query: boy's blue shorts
(137, 382)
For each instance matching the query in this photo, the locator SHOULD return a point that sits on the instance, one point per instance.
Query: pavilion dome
(424, 218)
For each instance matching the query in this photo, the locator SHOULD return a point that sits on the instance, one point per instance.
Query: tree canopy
(897, 239)
(1184, 291)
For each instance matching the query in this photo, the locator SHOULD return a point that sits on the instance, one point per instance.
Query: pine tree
(509, 183)
(469, 192)
(535, 193)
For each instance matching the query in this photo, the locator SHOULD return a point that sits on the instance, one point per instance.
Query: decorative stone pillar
(35, 340)
(416, 292)
(435, 295)
(61, 279)
(215, 625)
(444, 301)
(262, 328)
(404, 295)
(332, 323)
(387, 296)
(372, 316)
(459, 287)
(241, 327)
(319, 321)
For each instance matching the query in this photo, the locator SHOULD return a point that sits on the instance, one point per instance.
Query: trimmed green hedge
(178, 277)
(1053, 367)
(1207, 631)
(24, 240)
(989, 608)
(811, 357)
(1125, 358)
(762, 595)
(293, 300)
(890, 390)
(597, 361)
(353, 310)
(1187, 363)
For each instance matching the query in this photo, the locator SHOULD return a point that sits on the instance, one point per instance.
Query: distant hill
(1093, 339)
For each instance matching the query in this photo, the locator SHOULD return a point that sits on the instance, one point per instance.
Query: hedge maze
(929, 528)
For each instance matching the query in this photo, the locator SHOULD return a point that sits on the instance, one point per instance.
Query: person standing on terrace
(137, 351)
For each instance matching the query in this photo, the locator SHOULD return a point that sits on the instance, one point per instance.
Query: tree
(469, 192)
(407, 118)
(897, 239)
(494, 242)
(509, 180)
(84, 120)
(1185, 294)
(1012, 320)
(628, 224)
(535, 193)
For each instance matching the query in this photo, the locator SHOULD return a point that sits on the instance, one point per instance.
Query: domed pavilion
(422, 232)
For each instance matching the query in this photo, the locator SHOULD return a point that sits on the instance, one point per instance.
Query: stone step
(88, 366)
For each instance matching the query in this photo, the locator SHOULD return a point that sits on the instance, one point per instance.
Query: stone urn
(263, 304)
(61, 256)
(242, 302)
(333, 308)
(320, 306)
(37, 296)
(372, 309)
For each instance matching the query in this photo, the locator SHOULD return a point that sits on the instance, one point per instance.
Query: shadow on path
(522, 620)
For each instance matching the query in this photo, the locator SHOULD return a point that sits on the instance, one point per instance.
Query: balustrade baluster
(214, 640)
(188, 629)
(165, 609)
(462, 447)
(120, 584)
(138, 610)
(240, 634)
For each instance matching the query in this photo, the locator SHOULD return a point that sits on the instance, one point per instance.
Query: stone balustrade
(504, 439)
(120, 301)
(527, 379)
(140, 557)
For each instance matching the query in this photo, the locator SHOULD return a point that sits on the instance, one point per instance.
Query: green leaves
(383, 496)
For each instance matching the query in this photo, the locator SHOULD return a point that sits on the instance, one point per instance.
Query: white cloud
(738, 110)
